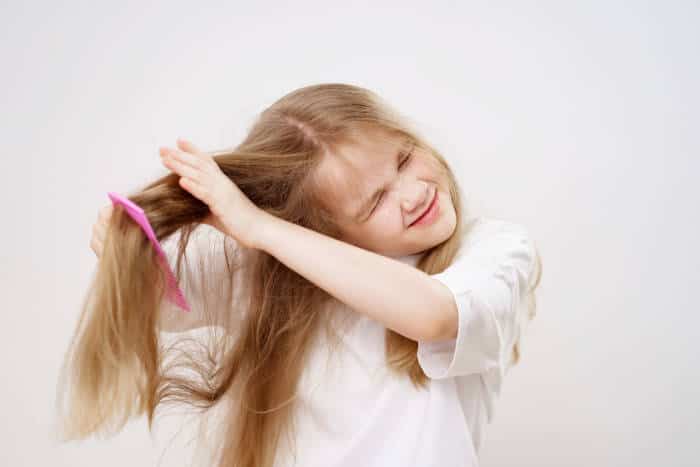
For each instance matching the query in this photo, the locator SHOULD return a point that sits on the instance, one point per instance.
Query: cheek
(388, 221)
(434, 171)
(431, 168)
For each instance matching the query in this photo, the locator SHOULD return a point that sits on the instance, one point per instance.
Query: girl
(354, 315)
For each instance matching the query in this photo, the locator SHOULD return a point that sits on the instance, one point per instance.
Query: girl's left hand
(231, 210)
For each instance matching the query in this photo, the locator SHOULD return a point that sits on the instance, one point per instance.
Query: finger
(196, 189)
(187, 146)
(193, 186)
(95, 230)
(181, 168)
(97, 226)
(105, 211)
(99, 232)
(193, 160)
(96, 247)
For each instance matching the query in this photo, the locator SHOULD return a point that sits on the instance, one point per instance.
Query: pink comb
(175, 295)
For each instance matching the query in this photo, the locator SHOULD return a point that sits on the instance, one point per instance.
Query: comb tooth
(179, 299)
(137, 214)
(174, 292)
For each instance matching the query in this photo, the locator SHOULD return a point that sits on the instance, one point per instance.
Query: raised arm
(403, 298)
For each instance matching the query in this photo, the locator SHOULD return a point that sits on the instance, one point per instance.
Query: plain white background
(577, 119)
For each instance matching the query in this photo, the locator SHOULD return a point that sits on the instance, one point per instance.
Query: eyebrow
(369, 202)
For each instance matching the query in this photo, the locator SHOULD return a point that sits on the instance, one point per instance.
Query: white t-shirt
(355, 412)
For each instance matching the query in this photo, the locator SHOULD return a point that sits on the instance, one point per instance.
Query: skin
(362, 168)
(399, 296)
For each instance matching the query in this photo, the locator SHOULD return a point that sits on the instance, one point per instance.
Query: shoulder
(491, 238)
(478, 228)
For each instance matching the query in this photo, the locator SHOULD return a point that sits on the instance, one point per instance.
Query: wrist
(263, 235)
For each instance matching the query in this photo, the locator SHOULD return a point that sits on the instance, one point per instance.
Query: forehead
(350, 172)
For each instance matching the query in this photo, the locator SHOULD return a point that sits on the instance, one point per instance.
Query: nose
(415, 196)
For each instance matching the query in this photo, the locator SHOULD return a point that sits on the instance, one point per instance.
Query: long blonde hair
(117, 365)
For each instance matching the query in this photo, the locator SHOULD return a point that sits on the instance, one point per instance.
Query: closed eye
(405, 160)
(401, 165)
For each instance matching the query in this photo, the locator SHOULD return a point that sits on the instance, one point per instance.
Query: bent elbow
(447, 328)
(447, 320)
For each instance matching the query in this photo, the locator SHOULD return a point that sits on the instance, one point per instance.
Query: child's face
(356, 172)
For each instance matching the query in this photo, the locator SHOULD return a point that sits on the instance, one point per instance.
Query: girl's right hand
(99, 228)
(231, 211)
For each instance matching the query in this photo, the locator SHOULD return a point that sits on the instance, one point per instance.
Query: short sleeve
(206, 280)
(489, 280)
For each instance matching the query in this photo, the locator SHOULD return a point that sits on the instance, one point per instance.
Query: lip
(430, 212)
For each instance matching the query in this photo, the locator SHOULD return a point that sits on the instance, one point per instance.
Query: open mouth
(430, 207)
